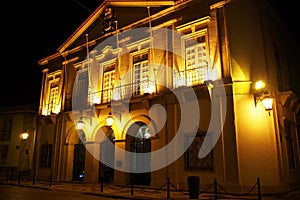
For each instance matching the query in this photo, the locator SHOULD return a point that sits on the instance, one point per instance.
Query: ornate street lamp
(263, 95)
(268, 103)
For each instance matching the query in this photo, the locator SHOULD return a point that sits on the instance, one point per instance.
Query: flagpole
(118, 60)
(151, 49)
(88, 66)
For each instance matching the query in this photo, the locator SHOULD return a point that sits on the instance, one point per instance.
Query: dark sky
(32, 30)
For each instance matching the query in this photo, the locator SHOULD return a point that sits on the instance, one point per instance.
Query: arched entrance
(79, 159)
(107, 155)
(138, 141)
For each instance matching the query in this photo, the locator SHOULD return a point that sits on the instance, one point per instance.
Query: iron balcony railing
(191, 77)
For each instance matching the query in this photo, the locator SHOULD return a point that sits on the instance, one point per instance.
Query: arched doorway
(138, 141)
(79, 159)
(107, 155)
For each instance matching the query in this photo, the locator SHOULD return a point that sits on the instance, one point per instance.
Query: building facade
(17, 139)
(178, 78)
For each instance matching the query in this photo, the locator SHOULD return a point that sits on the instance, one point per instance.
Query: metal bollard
(168, 188)
(101, 186)
(215, 189)
(131, 183)
(50, 181)
(7, 175)
(19, 178)
(34, 177)
(258, 188)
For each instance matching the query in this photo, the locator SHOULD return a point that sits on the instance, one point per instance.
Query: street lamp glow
(24, 135)
(109, 120)
(80, 124)
(259, 85)
(268, 103)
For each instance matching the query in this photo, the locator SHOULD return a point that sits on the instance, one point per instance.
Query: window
(46, 155)
(81, 95)
(3, 154)
(196, 62)
(192, 161)
(51, 103)
(140, 74)
(289, 146)
(5, 133)
(282, 78)
(53, 97)
(108, 82)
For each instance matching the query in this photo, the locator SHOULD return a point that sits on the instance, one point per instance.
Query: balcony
(191, 77)
(121, 91)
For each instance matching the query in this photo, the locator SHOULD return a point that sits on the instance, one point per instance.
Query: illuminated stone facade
(100, 71)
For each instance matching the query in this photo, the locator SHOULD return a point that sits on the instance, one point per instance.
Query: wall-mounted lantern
(24, 136)
(263, 95)
(268, 103)
(80, 124)
(109, 120)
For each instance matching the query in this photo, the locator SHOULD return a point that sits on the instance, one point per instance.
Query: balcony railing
(191, 77)
(121, 92)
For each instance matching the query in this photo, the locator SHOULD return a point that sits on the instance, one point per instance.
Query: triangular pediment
(123, 13)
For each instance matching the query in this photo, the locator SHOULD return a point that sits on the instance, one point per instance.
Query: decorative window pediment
(53, 92)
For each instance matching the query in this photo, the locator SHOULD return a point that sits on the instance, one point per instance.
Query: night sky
(32, 30)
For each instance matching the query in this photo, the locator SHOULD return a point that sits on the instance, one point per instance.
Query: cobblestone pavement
(11, 192)
(141, 193)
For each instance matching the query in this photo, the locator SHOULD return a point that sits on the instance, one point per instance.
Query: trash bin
(193, 185)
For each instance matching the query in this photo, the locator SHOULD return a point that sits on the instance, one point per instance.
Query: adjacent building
(17, 139)
(176, 77)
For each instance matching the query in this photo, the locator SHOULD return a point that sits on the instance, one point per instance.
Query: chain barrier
(117, 187)
(206, 190)
(224, 191)
(26, 177)
(176, 189)
(153, 190)
(237, 194)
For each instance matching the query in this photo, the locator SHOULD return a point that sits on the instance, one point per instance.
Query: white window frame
(106, 94)
(198, 73)
(53, 93)
(141, 88)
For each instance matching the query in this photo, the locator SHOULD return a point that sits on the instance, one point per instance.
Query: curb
(29, 186)
(121, 197)
(113, 196)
